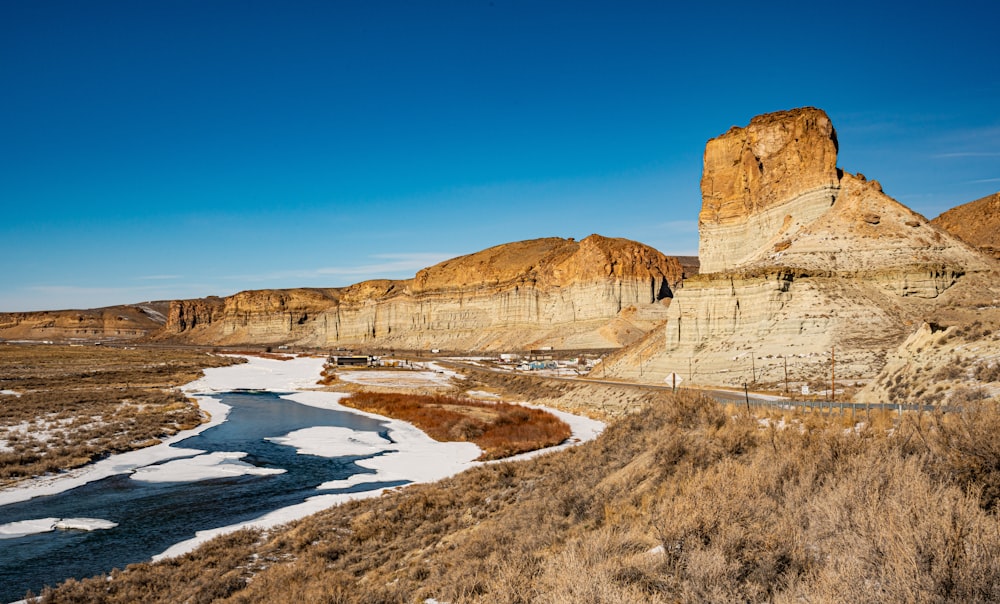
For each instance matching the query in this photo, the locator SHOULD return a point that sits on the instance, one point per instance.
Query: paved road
(754, 400)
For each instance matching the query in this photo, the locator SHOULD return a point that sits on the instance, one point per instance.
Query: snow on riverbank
(116, 464)
(408, 455)
(258, 373)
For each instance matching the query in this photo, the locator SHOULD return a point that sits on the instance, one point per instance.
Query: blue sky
(157, 150)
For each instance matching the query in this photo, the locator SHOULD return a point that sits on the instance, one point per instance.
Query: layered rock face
(598, 292)
(804, 266)
(976, 223)
(773, 176)
(111, 323)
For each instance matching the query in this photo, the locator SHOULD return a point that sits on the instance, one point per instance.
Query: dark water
(153, 516)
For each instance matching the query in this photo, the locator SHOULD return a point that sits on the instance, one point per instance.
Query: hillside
(682, 502)
(976, 223)
(124, 322)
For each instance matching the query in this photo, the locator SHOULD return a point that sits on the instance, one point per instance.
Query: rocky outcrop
(111, 323)
(595, 293)
(976, 223)
(950, 363)
(803, 265)
(766, 179)
(188, 314)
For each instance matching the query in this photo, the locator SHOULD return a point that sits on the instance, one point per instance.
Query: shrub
(499, 429)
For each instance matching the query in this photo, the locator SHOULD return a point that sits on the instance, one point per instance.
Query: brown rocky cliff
(550, 291)
(770, 176)
(549, 262)
(799, 258)
(775, 158)
(188, 314)
(977, 223)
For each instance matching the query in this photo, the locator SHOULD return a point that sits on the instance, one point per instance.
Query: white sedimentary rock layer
(801, 264)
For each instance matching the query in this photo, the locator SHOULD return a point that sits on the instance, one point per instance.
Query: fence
(826, 406)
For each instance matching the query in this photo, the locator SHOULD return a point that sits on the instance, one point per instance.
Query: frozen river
(270, 455)
(238, 473)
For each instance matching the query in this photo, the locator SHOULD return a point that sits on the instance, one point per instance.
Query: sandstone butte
(801, 260)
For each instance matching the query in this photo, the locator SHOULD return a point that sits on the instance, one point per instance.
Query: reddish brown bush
(499, 429)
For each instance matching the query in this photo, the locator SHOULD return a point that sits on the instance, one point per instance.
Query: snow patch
(85, 524)
(395, 379)
(333, 441)
(23, 528)
(13, 530)
(218, 464)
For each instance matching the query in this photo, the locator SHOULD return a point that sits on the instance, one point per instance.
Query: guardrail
(829, 406)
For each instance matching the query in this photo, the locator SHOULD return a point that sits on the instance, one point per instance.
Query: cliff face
(598, 292)
(801, 261)
(770, 177)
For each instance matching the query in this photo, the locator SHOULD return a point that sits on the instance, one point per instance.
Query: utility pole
(833, 377)
(746, 393)
(785, 357)
(753, 367)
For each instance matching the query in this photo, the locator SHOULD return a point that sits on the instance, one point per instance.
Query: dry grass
(77, 404)
(678, 503)
(499, 429)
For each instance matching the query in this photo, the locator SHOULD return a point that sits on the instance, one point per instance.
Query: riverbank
(411, 455)
(408, 454)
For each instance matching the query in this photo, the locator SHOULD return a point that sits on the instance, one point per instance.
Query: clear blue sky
(173, 149)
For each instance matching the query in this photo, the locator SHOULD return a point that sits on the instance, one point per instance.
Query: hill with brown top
(976, 223)
(596, 293)
(110, 323)
(801, 261)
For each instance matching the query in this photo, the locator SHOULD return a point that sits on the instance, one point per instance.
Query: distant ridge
(599, 292)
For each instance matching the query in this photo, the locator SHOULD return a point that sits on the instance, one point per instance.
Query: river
(153, 515)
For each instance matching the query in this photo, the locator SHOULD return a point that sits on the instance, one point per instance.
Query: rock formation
(595, 293)
(800, 262)
(976, 223)
(772, 176)
(111, 323)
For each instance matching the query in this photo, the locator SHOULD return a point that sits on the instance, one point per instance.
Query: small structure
(352, 361)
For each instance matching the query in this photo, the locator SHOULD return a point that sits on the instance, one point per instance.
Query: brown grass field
(499, 429)
(77, 404)
(683, 501)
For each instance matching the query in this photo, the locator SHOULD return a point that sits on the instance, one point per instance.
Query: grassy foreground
(76, 404)
(499, 429)
(681, 502)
